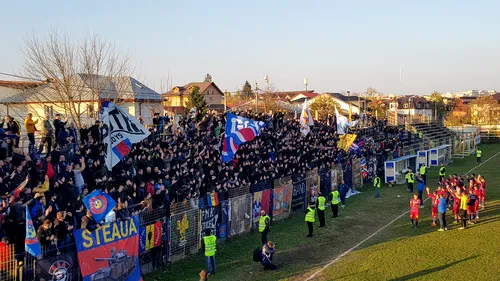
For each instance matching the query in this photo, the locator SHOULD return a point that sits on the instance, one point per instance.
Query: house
(356, 102)
(175, 100)
(81, 102)
(412, 109)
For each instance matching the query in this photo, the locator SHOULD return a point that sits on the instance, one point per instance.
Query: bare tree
(80, 74)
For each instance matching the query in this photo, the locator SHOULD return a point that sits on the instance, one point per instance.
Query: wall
(212, 95)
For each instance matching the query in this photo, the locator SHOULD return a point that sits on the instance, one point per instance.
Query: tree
(484, 110)
(77, 71)
(196, 100)
(378, 107)
(247, 90)
(439, 107)
(324, 105)
(208, 78)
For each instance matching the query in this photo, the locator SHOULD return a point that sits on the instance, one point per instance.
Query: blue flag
(31, 244)
(99, 204)
(238, 131)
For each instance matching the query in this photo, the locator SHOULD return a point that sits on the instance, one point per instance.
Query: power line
(22, 77)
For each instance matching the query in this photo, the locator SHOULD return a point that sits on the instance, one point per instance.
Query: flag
(342, 123)
(212, 199)
(238, 131)
(306, 119)
(120, 131)
(31, 244)
(346, 141)
(99, 204)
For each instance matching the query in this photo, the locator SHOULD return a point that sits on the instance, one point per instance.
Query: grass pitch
(397, 252)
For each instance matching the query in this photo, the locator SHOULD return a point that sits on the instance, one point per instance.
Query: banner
(31, 244)
(345, 141)
(238, 131)
(357, 182)
(120, 131)
(150, 236)
(99, 204)
(261, 201)
(299, 195)
(325, 184)
(241, 214)
(111, 252)
(282, 198)
(209, 219)
(225, 216)
(62, 267)
(184, 232)
(312, 185)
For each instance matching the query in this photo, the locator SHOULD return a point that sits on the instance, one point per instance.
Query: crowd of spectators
(179, 161)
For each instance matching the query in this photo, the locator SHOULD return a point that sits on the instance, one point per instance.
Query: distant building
(175, 100)
(470, 93)
(358, 104)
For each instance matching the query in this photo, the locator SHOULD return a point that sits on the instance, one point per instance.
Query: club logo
(98, 204)
(59, 271)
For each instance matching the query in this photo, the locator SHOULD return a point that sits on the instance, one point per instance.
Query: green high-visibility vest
(441, 171)
(376, 182)
(410, 177)
(310, 215)
(478, 153)
(262, 223)
(210, 244)
(420, 135)
(335, 197)
(321, 203)
(423, 170)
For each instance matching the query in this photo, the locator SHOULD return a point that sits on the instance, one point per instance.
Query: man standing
(47, 133)
(209, 244)
(58, 124)
(321, 202)
(414, 210)
(335, 198)
(442, 213)
(264, 223)
(463, 209)
(343, 189)
(376, 184)
(423, 173)
(30, 129)
(478, 155)
(420, 188)
(310, 218)
(442, 173)
(410, 179)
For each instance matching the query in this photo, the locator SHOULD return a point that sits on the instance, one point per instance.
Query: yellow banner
(346, 141)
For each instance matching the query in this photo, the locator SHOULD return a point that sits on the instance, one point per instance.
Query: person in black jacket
(58, 124)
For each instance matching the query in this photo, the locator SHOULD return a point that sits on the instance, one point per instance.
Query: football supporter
(415, 210)
(434, 208)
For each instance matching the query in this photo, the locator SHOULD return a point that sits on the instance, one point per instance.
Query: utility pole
(306, 82)
(350, 105)
(256, 98)
(225, 100)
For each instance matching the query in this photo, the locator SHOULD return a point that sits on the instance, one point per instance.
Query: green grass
(396, 253)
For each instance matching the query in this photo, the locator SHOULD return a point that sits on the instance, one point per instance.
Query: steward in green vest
(410, 179)
(423, 173)
(420, 135)
(376, 184)
(320, 205)
(264, 223)
(210, 244)
(442, 173)
(478, 155)
(335, 200)
(310, 218)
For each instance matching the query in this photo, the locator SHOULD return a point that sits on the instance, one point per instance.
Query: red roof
(20, 84)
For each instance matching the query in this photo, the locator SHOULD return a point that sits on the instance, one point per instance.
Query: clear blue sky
(339, 45)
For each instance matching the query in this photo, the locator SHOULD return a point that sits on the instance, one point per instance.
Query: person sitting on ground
(268, 251)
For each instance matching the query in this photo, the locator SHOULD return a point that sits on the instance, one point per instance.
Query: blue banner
(99, 204)
(31, 244)
(299, 195)
(111, 252)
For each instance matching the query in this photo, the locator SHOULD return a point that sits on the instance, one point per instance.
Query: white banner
(120, 131)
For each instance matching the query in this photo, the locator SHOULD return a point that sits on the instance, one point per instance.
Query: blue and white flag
(31, 244)
(99, 204)
(342, 123)
(306, 119)
(121, 130)
(238, 131)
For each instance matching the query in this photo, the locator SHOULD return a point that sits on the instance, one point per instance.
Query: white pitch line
(380, 229)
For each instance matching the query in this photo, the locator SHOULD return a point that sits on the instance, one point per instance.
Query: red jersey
(415, 205)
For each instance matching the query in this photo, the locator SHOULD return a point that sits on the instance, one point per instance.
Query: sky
(446, 45)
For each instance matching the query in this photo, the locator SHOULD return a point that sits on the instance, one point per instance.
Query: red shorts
(471, 209)
(434, 212)
(476, 206)
(414, 215)
(455, 209)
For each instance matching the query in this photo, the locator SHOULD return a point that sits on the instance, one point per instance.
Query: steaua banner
(111, 252)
